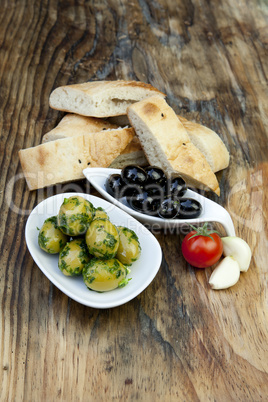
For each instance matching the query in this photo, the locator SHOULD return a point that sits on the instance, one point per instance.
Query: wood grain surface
(178, 340)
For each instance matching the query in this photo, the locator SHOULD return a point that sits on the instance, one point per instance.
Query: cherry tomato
(202, 248)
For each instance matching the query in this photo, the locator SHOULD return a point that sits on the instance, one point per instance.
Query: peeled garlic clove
(238, 249)
(225, 275)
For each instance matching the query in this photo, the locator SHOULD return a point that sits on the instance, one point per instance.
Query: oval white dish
(211, 211)
(142, 272)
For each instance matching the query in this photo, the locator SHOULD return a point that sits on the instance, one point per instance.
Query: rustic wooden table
(178, 340)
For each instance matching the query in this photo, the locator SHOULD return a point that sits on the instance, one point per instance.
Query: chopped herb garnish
(42, 240)
(63, 266)
(65, 251)
(53, 220)
(124, 282)
(110, 241)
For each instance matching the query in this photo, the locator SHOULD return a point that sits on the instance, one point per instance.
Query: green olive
(102, 239)
(50, 237)
(75, 215)
(100, 214)
(104, 275)
(74, 257)
(129, 247)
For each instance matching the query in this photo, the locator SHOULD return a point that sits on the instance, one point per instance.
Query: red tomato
(202, 248)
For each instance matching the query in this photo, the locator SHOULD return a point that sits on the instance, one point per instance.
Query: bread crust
(209, 143)
(92, 87)
(63, 160)
(166, 143)
(74, 124)
(133, 146)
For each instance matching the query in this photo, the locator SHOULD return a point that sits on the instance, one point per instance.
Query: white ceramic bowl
(143, 270)
(211, 211)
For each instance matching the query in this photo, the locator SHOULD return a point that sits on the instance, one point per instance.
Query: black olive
(155, 191)
(136, 202)
(189, 208)
(144, 203)
(155, 175)
(150, 192)
(114, 185)
(169, 208)
(152, 205)
(131, 190)
(176, 187)
(134, 175)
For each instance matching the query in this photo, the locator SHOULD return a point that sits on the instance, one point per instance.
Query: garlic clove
(238, 249)
(225, 275)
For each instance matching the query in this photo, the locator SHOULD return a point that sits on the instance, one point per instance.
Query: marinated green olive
(104, 275)
(50, 237)
(129, 247)
(74, 257)
(75, 215)
(100, 214)
(102, 239)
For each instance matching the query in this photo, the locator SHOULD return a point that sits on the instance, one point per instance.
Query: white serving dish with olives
(143, 270)
(210, 211)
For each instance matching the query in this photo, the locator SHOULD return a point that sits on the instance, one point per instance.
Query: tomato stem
(203, 231)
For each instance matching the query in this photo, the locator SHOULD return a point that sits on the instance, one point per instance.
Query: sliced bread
(63, 160)
(166, 143)
(132, 155)
(209, 143)
(74, 124)
(100, 98)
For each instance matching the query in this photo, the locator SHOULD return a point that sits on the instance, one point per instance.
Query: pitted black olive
(145, 203)
(176, 187)
(155, 191)
(131, 190)
(189, 208)
(155, 175)
(134, 175)
(150, 192)
(117, 188)
(114, 185)
(169, 208)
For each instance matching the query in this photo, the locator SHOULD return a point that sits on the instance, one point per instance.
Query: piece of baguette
(74, 124)
(132, 155)
(63, 160)
(100, 98)
(209, 143)
(166, 143)
(205, 139)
